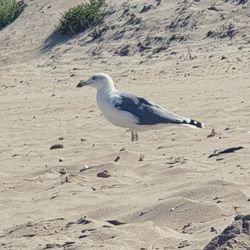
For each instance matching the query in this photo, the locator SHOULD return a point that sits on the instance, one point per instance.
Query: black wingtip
(196, 123)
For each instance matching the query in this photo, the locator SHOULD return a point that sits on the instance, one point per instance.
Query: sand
(162, 192)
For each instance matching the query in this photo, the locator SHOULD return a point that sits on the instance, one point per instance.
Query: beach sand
(162, 192)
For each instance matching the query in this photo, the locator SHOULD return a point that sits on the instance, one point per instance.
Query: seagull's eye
(94, 78)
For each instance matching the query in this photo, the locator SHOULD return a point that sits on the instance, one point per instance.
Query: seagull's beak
(82, 83)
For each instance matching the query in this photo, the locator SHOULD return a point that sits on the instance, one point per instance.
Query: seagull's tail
(192, 123)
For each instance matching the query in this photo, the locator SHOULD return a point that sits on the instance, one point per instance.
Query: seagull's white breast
(117, 117)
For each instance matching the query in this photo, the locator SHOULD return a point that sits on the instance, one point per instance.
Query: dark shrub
(82, 16)
(9, 11)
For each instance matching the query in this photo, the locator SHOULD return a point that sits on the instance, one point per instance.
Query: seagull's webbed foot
(134, 136)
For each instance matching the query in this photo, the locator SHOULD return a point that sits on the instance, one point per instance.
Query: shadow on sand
(55, 39)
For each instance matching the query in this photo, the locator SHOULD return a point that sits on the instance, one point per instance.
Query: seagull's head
(98, 81)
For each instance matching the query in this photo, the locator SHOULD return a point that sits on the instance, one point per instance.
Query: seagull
(131, 111)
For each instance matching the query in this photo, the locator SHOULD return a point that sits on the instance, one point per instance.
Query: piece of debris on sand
(235, 236)
(224, 151)
(56, 146)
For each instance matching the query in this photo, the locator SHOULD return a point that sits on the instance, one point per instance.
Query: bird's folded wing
(145, 112)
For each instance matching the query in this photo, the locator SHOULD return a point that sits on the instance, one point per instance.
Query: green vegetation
(9, 11)
(82, 16)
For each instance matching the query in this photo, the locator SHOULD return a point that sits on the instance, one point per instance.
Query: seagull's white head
(100, 81)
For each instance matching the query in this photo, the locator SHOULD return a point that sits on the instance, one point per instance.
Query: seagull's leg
(132, 135)
(136, 136)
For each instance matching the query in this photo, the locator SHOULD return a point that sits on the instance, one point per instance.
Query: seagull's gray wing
(145, 112)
